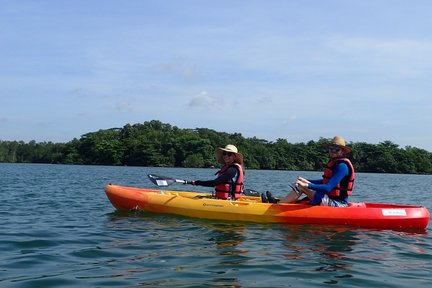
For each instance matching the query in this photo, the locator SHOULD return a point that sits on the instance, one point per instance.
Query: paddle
(163, 181)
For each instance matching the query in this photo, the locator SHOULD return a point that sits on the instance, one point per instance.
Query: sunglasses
(227, 153)
(333, 148)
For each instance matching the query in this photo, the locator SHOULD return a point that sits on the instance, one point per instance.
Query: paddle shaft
(163, 181)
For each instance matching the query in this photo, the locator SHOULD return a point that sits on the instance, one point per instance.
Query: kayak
(251, 209)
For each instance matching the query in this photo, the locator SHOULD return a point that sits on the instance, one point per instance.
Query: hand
(302, 182)
(302, 179)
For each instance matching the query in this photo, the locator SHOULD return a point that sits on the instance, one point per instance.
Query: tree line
(154, 143)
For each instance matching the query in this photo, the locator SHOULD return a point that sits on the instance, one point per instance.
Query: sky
(297, 70)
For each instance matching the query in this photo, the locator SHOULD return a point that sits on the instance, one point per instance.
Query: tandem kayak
(250, 209)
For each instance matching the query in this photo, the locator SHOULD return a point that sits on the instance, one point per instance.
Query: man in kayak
(230, 178)
(335, 186)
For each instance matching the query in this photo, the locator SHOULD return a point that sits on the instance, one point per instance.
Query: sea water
(58, 229)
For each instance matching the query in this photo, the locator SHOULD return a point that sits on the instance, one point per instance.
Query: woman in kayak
(335, 186)
(230, 178)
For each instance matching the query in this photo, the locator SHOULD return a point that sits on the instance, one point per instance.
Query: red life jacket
(345, 187)
(234, 189)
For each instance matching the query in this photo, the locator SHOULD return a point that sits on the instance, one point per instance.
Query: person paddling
(230, 178)
(335, 186)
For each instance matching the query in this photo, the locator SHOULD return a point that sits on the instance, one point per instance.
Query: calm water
(58, 229)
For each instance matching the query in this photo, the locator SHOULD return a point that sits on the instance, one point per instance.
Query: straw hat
(228, 148)
(339, 141)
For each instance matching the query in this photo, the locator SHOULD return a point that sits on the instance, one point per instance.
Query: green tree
(154, 143)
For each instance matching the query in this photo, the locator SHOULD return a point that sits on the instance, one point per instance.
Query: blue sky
(297, 70)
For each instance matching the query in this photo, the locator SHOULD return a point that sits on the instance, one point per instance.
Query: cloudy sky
(292, 69)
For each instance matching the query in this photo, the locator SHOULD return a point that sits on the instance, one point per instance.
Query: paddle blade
(161, 181)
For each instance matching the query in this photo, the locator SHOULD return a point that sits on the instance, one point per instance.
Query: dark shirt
(225, 177)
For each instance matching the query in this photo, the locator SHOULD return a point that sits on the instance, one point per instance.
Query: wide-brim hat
(228, 148)
(339, 141)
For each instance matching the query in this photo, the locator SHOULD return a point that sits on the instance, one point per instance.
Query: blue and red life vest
(233, 189)
(345, 187)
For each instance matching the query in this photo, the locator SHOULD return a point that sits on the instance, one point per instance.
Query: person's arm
(341, 170)
(319, 181)
(223, 178)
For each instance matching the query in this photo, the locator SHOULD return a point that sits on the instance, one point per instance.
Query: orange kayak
(248, 208)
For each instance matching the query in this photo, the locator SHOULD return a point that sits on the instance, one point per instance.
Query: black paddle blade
(161, 181)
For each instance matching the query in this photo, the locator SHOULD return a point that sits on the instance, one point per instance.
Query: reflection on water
(227, 236)
(330, 246)
(232, 247)
(170, 240)
(332, 242)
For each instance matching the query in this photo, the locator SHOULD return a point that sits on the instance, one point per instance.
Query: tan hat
(339, 141)
(228, 148)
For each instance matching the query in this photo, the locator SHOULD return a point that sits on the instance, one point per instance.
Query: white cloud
(205, 100)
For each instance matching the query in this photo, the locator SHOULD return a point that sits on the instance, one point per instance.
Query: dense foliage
(157, 144)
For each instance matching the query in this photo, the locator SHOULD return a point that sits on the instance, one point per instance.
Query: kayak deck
(250, 209)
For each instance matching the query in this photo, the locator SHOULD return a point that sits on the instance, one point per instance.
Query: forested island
(154, 143)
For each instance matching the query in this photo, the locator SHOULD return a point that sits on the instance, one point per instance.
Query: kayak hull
(250, 209)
